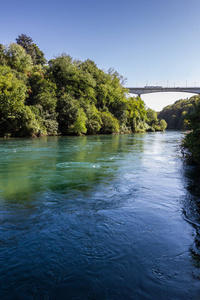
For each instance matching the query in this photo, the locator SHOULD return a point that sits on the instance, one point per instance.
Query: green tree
(42, 95)
(32, 49)
(26, 42)
(38, 56)
(94, 121)
(163, 124)
(68, 111)
(67, 96)
(109, 123)
(63, 72)
(17, 58)
(110, 93)
(16, 119)
(192, 139)
(152, 117)
(79, 126)
(2, 55)
(175, 114)
(137, 114)
(153, 122)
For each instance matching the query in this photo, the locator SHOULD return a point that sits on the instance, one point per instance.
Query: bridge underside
(148, 90)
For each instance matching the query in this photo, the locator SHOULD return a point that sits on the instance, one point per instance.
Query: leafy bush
(109, 123)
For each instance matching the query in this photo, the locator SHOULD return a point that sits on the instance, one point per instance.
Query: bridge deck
(160, 89)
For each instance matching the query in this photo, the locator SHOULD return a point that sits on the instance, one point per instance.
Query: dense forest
(185, 115)
(64, 96)
(175, 114)
(191, 142)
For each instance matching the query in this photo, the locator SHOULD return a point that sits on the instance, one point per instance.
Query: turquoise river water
(98, 217)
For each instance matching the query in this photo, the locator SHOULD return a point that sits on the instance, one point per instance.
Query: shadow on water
(191, 208)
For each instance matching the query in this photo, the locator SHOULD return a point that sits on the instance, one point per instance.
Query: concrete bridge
(159, 89)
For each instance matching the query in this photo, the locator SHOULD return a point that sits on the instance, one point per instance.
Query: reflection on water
(98, 217)
(58, 163)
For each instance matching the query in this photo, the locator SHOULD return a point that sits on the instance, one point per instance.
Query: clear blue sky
(146, 41)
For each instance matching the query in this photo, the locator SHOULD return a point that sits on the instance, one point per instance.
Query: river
(98, 217)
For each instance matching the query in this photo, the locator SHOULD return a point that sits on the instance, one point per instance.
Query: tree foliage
(192, 139)
(17, 58)
(66, 97)
(16, 119)
(136, 114)
(175, 114)
(109, 123)
(154, 122)
(31, 48)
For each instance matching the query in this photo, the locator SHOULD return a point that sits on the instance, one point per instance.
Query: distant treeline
(176, 114)
(191, 142)
(185, 115)
(64, 96)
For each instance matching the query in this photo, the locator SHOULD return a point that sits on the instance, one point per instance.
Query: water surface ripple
(98, 217)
